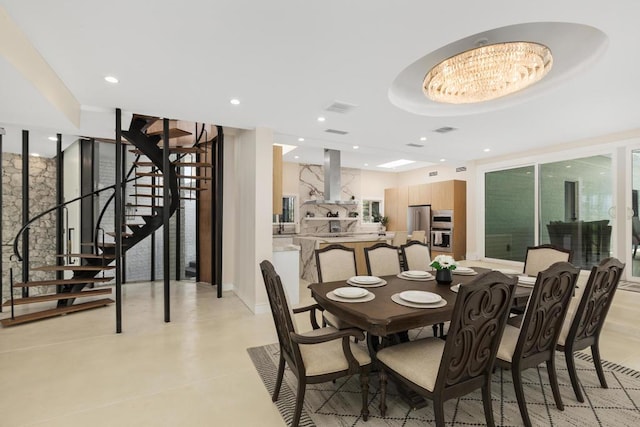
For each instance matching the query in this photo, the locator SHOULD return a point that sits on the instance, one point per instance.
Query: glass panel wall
(509, 213)
(575, 198)
(635, 221)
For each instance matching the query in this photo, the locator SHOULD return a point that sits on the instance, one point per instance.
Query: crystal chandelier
(487, 72)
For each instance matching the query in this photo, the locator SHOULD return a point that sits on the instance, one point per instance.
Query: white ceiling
(287, 60)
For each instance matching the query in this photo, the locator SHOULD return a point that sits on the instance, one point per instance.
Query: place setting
(464, 271)
(419, 299)
(366, 281)
(350, 294)
(417, 275)
(526, 281)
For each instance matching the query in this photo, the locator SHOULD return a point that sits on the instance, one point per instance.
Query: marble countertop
(370, 237)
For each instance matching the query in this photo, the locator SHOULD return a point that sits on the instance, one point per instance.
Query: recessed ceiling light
(355, 147)
(486, 150)
(300, 139)
(568, 166)
(235, 101)
(396, 163)
(366, 164)
(423, 138)
(296, 157)
(321, 119)
(52, 138)
(443, 160)
(35, 154)
(111, 79)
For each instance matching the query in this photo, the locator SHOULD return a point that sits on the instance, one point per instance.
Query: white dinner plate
(418, 274)
(463, 270)
(526, 280)
(351, 292)
(420, 297)
(507, 271)
(455, 288)
(365, 280)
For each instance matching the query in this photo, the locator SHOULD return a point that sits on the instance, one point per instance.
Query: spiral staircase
(72, 293)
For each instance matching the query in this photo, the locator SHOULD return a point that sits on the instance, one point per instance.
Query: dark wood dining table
(382, 317)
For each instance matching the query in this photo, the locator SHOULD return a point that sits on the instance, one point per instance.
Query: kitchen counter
(308, 245)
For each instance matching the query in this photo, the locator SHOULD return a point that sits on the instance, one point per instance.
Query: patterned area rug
(338, 404)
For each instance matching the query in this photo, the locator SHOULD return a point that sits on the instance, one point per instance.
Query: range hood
(332, 181)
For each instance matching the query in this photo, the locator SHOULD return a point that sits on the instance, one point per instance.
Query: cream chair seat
(333, 263)
(382, 260)
(318, 356)
(431, 366)
(416, 256)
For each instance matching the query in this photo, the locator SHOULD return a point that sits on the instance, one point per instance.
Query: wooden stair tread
(61, 282)
(174, 150)
(74, 267)
(89, 256)
(56, 312)
(159, 175)
(173, 133)
(55, 297)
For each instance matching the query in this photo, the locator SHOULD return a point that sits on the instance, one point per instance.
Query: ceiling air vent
(444, 129)
(336, 131)
(341, 107)
(412, 144)
(461, 169)
(434, 173)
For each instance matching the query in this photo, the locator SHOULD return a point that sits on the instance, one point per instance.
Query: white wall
(71, 172)
(229, 211)
(253, 209)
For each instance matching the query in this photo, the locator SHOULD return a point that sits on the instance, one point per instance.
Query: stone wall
(42, 237)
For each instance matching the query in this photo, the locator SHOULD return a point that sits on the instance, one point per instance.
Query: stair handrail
(40, 215)
(108, 202)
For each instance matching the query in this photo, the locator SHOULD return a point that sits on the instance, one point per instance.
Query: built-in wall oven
(441, 230)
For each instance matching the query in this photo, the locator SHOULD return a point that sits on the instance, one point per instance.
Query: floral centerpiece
(444, 264)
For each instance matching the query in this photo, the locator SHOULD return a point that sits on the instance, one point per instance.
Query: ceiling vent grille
(336, 131)
(341, 107)
(461, 169)
(444, 129)
(413, 144)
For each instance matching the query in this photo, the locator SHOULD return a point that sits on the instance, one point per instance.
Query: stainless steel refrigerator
(419, 218)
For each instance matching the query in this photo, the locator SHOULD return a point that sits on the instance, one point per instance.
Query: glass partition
(509, 213)
(575, 198)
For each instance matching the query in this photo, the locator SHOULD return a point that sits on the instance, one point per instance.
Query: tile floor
(195, 371)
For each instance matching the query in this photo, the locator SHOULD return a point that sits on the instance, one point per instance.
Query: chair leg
(553, 379)
(435, 331)
(438, 409)
(522, 404)
(573, 374)
(486, 401)
(595, 352)
(302, 385)
(364, 383)
(383, 393)
(276, 391)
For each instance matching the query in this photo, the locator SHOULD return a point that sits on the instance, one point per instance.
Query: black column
(166, 202)
(25, 211)
(117, 216)
(60, 232)
(218, 204)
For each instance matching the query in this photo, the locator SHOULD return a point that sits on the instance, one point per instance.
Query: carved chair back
(416, 256)
(382, 259)
(335, 262)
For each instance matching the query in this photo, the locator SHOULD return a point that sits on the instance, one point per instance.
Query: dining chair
(416, 256)
(399, 238)
(317, 356)
(535, 340)
(445, 369)
(418, 235)
(541, 257)
(635, 234)
(335, 262)
(382, 259)
(582, 328)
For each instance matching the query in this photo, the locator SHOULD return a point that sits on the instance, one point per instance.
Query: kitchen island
(308, 245)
